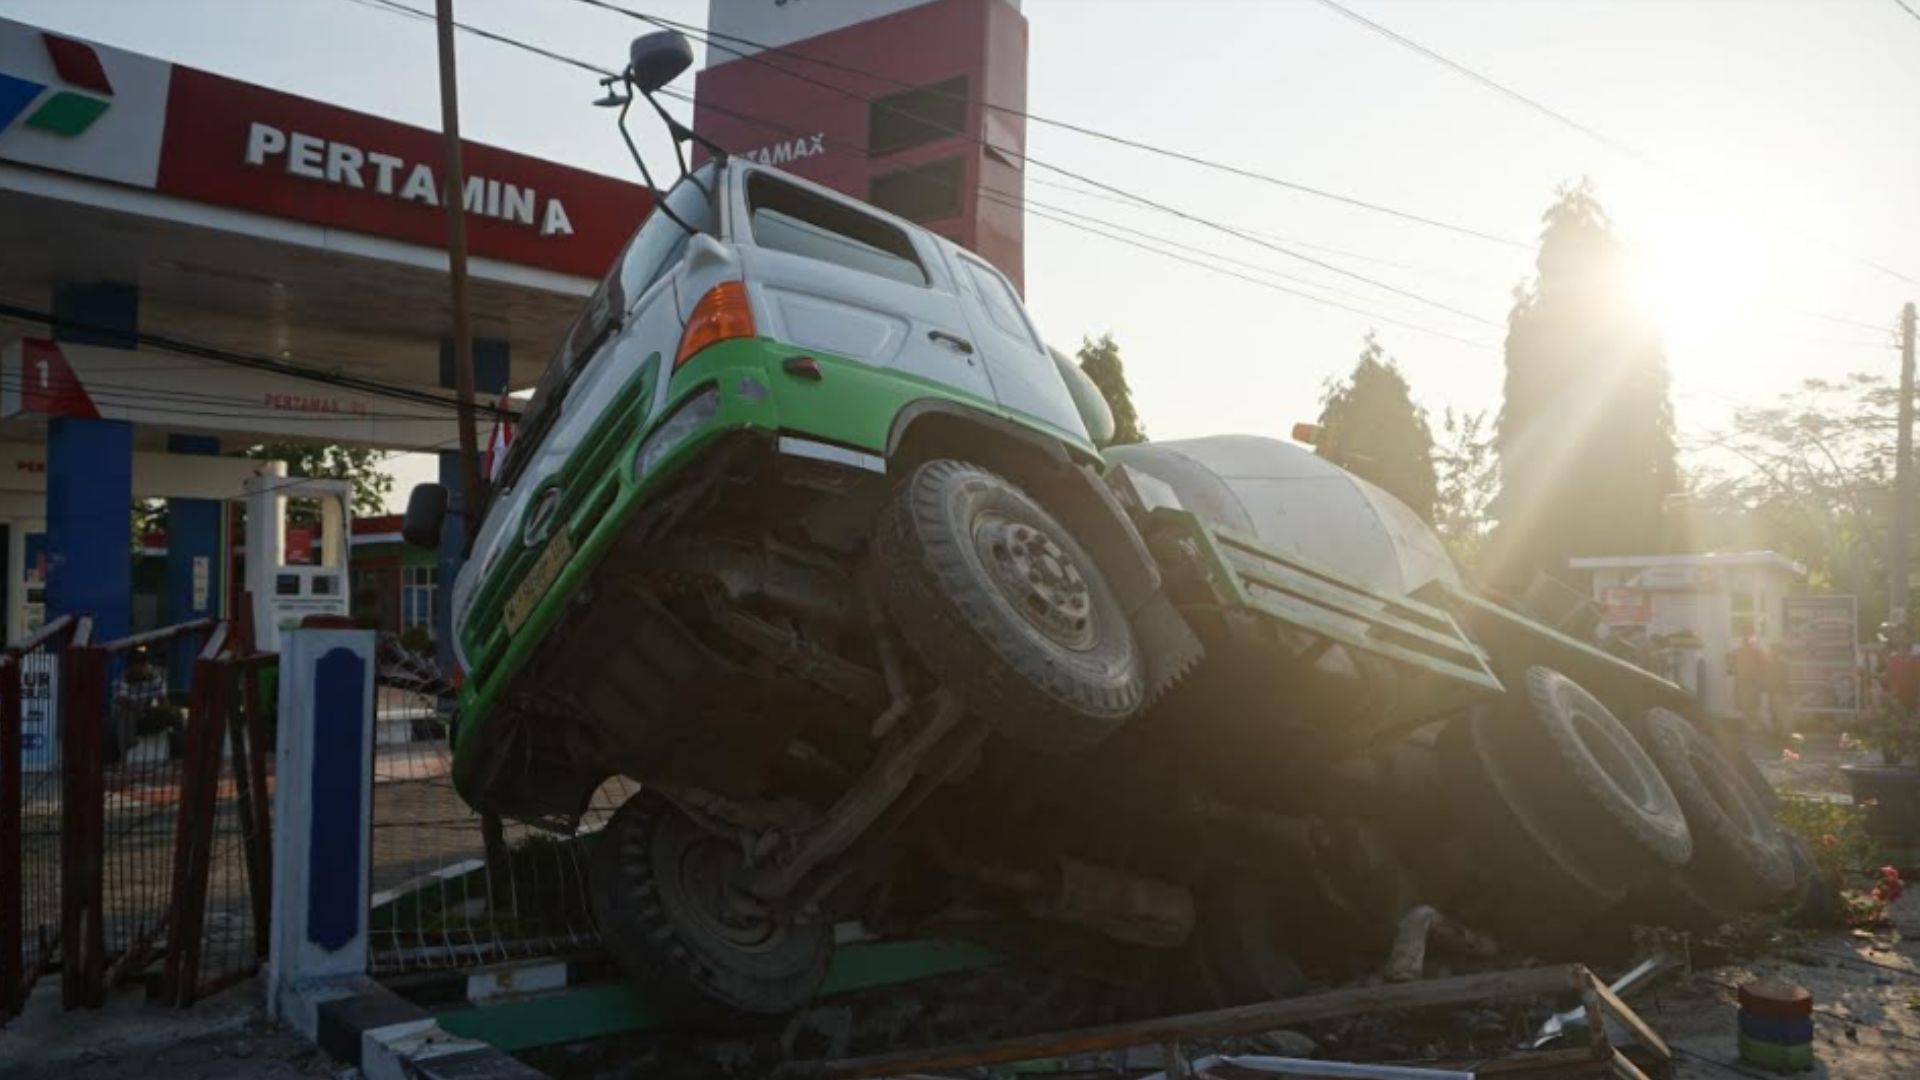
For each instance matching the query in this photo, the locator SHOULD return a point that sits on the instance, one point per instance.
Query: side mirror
(656, 59)
(426, 513)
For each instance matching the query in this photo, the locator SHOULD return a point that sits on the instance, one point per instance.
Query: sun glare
(1700, 279)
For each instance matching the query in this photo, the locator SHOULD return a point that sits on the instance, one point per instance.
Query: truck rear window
(799, 222)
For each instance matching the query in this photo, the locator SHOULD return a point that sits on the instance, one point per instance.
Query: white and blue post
(321, 810)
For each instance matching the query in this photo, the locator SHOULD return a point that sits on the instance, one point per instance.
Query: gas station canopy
(257, 221)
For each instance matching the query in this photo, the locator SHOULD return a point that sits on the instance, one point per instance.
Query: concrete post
(322, 807)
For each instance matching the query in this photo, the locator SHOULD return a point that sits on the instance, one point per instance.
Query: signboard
(88, 110)
(1820, 635)
(1621, 606)
(908, 134)
(39, 716)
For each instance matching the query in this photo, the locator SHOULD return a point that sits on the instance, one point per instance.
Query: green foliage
(1101, 361)
(1585, 432)
(1370, 426)
(358, 464)
(1466, 472)
(1844, 856)
(1811, 476)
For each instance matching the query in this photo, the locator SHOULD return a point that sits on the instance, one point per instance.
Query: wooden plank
(1624, 1013)
(1626, 1070)
(1239, 1020)
(1543, 1061)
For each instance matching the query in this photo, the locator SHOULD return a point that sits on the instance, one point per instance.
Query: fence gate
(133, 817)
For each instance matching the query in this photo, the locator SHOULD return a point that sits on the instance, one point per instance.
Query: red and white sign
(209, 139)
(49, 378)
(1626, 607)
(814, 120)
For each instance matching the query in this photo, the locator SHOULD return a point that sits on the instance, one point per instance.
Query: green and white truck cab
(806, 530)
(796, 333)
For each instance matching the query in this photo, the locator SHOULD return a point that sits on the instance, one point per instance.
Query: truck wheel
(671, 911)
(1007, 609)
(1587, 769)
(1739, 862)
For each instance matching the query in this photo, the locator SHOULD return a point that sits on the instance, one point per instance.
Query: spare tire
(1005, 607)
(1740, 863)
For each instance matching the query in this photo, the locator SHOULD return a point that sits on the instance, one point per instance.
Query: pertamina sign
(103, 114)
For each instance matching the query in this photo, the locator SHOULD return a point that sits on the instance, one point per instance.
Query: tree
(1466, 474)
(1810, 476)
(357, 464)
(1101, 361)
(1585, 432)
(1370, 426)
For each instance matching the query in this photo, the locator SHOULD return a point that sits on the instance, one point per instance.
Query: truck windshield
(655, 248)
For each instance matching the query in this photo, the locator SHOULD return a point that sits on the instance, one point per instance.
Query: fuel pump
(284, 594)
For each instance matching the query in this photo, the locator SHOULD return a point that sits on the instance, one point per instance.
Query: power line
(1082, 178)
(1575, 125)
(774, 126)
(1017, 201)
(1110, 193)
(1262, 282)
(1908, 8)
(709, 37)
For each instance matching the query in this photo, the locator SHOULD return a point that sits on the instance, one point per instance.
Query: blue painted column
(194, 554)
(489, 381)
(90, 475)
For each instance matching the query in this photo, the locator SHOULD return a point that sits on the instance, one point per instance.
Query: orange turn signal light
(722, 315)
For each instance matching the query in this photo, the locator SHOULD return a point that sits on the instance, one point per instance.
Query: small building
(1702, 605)
(395, 586)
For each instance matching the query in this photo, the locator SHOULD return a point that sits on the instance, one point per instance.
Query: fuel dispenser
(284, 594)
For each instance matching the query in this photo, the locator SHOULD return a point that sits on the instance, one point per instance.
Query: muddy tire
(1740, 863)
(1595, 781)
(1000, 602)
(666, 897)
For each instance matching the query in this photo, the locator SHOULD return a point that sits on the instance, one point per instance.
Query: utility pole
(1898, 556)
(454, 193)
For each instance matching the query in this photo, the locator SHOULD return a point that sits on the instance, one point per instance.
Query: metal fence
(444, 896)
(133, 815)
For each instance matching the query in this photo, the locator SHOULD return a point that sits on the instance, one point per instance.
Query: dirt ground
(223, 1037)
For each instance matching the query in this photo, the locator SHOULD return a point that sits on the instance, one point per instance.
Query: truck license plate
(528, 594)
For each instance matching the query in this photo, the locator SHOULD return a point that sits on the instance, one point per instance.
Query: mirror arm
(683, 133)
(659, 197)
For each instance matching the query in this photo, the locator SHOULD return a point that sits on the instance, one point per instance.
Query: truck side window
(1001, 304)
(798, 222)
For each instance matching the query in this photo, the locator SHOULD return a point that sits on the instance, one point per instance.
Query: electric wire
(1243, 234)
(1064, 125)
(1569, 122)
(1909, 9)
(1108, 192)
(393, 5)
(961, 133)
(1262, 282)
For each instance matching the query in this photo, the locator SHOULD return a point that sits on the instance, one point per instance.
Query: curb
(390, 1038)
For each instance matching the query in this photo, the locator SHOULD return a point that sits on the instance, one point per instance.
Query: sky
(1757, 155)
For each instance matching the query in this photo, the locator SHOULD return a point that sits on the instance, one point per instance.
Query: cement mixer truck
(808, 532)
